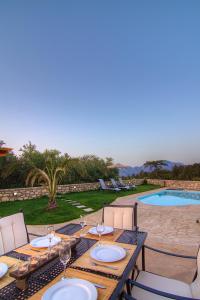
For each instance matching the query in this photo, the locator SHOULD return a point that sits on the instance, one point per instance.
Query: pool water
(172, 198)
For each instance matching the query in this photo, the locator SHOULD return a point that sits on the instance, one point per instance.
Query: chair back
(13, 232)
(195, 286)
(121, 182)
(114, 183)
(102, 184)
(123, 217)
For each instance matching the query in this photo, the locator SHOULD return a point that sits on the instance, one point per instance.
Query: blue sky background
(111, 78)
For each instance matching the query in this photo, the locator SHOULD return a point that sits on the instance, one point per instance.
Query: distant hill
(131, 171)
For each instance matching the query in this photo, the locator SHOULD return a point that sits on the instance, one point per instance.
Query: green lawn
(36, 213)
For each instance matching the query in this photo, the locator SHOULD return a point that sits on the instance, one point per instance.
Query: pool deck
(172, 228)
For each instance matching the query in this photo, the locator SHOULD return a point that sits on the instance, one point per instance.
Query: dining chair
(151, 286)
(121, 216)
(13, 232)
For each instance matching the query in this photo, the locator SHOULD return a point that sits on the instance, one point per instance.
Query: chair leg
(143, 258)
(133, 272)
(128, 288)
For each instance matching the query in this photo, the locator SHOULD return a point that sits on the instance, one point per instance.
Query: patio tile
(81, 206)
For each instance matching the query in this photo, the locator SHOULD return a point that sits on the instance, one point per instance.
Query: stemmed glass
(65, 255)
(100, 229)
(50, 235)
(83, 224)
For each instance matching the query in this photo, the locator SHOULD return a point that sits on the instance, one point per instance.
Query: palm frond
(29, 176)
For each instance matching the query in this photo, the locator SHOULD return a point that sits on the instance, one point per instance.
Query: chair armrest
(169, 253)
(157, 292)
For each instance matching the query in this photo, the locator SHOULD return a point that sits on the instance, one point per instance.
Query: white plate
(3, 269)
(108, 253)
(107, 230)
(71, 289)
(43, 242)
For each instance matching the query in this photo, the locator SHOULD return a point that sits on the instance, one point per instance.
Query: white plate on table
(3, 269)
(108, 253)
(68, 289)
(107, 230)
(43, 242)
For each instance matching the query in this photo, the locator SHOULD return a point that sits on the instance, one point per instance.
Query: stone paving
(79, 205)
(170, 228)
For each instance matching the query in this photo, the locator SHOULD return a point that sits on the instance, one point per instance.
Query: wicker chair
(149, 286)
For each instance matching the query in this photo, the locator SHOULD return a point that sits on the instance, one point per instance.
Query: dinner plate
(43, 242)
(3, 269)
(108, 253)
(107, 230)
(68, 289)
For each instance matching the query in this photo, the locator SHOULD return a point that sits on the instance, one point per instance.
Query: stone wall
(35, 192)
(183, 184)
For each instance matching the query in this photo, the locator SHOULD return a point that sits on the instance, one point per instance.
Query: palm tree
(49, 177)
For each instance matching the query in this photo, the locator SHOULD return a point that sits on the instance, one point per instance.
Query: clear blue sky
(112, 78)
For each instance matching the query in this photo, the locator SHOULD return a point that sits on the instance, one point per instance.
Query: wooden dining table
(110, 276)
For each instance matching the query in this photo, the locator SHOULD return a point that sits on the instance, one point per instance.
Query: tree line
(14, 169)
(182, 172)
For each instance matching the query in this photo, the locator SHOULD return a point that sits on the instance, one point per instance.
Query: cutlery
(127, 249)
(36, 250)
(100, 286)
(30, 249)
(104, 266)
(14, 265)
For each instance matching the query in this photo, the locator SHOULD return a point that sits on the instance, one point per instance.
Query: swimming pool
(171, 198)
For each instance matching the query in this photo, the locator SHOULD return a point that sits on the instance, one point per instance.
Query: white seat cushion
(195, 286)
(160, 283)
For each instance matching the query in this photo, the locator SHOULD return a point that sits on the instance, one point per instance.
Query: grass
(35, 209)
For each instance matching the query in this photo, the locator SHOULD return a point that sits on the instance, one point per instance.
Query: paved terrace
(172, 228)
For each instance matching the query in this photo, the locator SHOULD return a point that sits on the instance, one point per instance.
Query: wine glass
(83, 224)
(65, 255)
(100, 229)
(50, 235)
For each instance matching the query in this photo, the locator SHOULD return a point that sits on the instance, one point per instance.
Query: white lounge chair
(115, 185)
(127, 186)
(104, 187)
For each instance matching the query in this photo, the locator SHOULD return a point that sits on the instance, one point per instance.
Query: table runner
(85, 261)
(10, 262)
(107, 237)
(103, 294)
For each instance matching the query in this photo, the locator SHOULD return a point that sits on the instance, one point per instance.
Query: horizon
(114, 162)
(118, 80)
